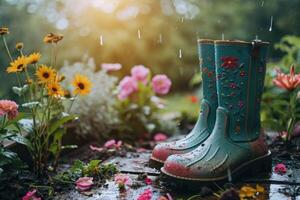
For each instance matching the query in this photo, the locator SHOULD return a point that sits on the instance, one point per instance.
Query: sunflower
(82, 85)
(33, 58)
(55, 89)
(53, 38)
(45, 74)
(4, 31)
(17, 65)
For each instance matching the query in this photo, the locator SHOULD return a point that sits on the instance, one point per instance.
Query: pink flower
(161, 84)
(9, 108)
(287, 81)
(148, 180)
(146, 195)
(111, 66)
(280, 169)
(159, 137)
(140, 73)
(31, 195)
(113, 144)
(127, 86)
(84, 183)
(123, 180)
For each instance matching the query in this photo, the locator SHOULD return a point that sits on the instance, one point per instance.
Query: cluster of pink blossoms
(129, 84)
(9, 108)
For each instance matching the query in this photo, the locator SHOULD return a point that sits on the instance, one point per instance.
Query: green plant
(93, 168)
(290, 45)
(43, 102)
(138, 103)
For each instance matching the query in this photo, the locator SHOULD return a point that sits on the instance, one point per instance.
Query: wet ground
(277, 187)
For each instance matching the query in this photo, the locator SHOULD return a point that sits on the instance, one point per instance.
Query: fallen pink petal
(148, 181)
(94, 148)
(159, 137)
(146, 195)
(84, 183)
(280, 169)
(31, 195)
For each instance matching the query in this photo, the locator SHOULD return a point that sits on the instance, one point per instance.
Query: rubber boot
(207, 116)
(236, 144)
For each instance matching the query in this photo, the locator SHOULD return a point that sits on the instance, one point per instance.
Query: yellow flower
(45, 74)
(34, 58)
(55, 89)
(53, 38)
(19, 46)
(247, 191)
(17, 65)
(82, 85)
(4, 31)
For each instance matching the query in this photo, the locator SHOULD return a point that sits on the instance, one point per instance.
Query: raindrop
(229, 175)
(160, 38)
(180, 53)
(262, 3)
(182, 19)
(101, 40)
(256, 37)
(271, 24)
(139, 33)
(223, 36)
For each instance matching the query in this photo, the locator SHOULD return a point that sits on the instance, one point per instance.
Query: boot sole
(253, 167)
(156, 163)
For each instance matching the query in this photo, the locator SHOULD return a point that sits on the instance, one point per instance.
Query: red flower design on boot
(229, 62)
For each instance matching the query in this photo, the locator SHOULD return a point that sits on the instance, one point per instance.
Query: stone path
(137, 163)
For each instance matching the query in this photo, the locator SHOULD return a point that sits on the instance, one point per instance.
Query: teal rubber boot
(236, 144)
(207, 116)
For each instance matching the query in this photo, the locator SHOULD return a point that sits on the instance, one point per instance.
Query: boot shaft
(240, 69)
(206, 52)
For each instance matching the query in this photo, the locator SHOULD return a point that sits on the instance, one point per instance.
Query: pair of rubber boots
(227, 139)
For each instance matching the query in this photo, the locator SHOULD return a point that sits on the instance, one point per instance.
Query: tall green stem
(7, 50)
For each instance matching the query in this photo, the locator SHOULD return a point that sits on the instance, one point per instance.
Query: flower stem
(7, 50)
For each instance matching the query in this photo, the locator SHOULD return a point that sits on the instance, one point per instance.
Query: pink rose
(84, 183)
(146, 195)
(123, 180)
(127, 86)
(9, 108)
(31, 195)
(161, 84)
(111, 66)
(159, 137)
(140, 73)
(280, 169)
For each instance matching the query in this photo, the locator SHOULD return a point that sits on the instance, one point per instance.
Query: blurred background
(160, 34)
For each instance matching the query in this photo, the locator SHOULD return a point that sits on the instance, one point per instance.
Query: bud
(4, 31)
(19, 46)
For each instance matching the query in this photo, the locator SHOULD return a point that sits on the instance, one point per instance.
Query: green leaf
(21, 140)
(58, 123)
